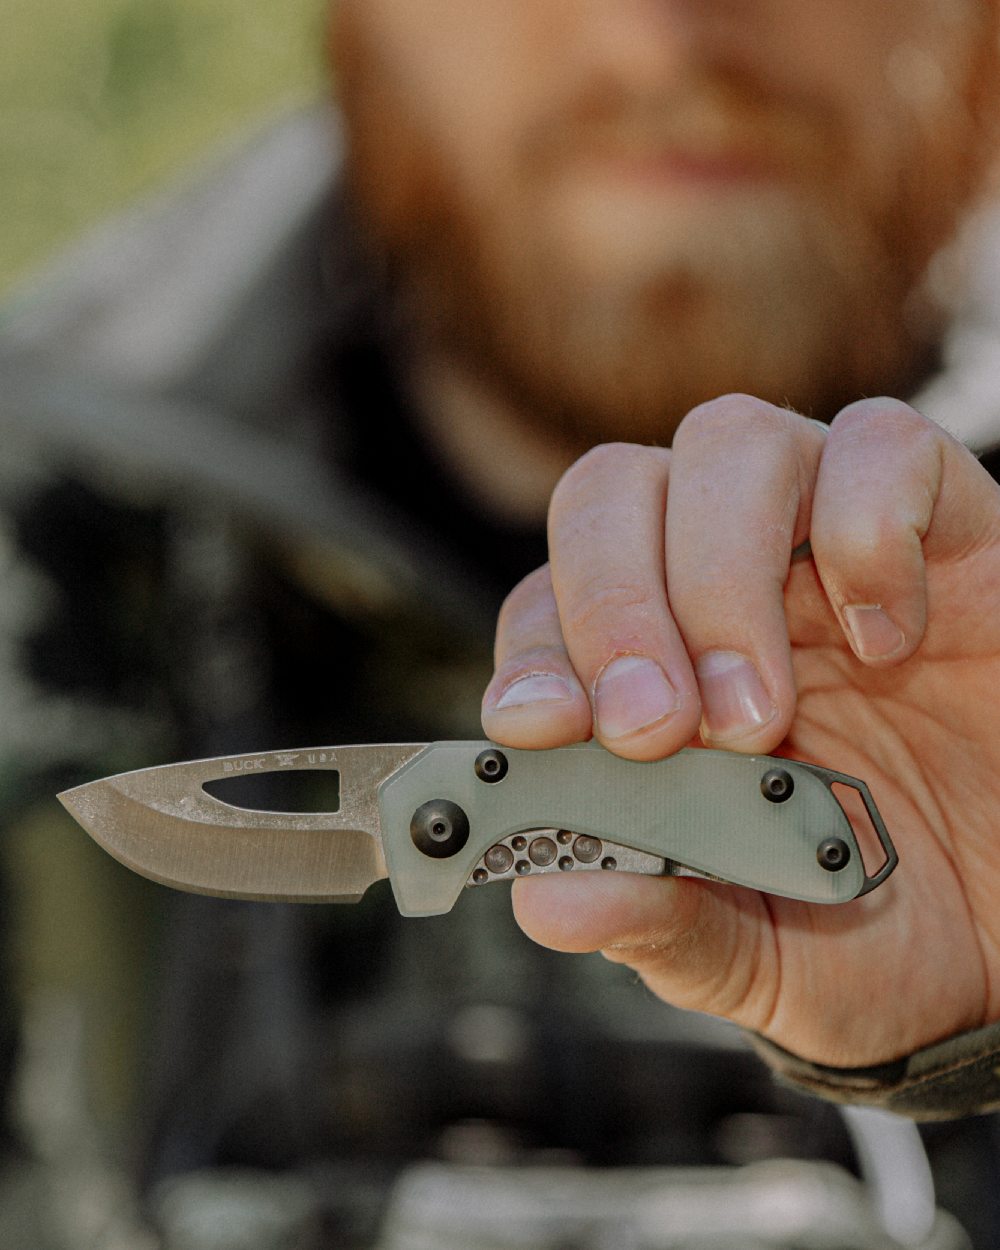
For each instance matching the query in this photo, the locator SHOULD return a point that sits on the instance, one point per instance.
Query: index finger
(606, 547)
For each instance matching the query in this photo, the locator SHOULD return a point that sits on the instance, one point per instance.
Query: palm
(925, 944)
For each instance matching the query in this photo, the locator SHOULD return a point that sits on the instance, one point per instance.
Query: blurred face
(611, 210)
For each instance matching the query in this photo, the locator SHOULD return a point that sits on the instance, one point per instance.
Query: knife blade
(436, 817)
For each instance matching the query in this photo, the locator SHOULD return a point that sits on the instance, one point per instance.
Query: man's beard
(770, 301)
(802, 291)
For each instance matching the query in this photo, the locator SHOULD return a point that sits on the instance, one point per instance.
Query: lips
(685, 165)
(692, 145)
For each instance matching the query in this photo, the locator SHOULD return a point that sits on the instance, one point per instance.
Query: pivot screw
(777, 785)
(439, 828)
(491, 766)
(833, 854)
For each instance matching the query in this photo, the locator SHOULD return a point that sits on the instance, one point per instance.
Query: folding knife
(435, 817)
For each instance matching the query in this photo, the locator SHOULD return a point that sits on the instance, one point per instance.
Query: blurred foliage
(101, 100)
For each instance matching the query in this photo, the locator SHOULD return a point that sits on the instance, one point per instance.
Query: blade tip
(75, 801)
(68, 798)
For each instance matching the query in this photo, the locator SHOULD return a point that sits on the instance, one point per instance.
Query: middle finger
(741, 493)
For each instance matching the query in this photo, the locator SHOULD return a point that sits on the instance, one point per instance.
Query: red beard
(803, 296)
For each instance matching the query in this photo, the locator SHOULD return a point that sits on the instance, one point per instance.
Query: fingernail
(876, 635)
(631, 693)
(733, 698)
(535, 688)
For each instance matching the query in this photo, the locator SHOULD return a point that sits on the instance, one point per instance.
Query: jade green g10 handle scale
(436, 817)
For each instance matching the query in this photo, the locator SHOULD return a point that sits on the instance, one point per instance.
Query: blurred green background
(102, 100)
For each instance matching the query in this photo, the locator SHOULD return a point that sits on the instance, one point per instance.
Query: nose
(647, 44)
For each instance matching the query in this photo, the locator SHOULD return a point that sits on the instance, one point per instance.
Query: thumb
(696, 944)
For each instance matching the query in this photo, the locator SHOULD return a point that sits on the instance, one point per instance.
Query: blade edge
(257, 863)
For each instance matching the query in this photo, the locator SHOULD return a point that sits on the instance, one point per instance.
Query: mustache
(703, 115)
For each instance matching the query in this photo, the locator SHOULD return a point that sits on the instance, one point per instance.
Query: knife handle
(759, 821)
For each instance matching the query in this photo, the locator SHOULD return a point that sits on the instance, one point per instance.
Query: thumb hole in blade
(295, 790)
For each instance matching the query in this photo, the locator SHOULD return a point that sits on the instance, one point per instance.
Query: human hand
(672, 608)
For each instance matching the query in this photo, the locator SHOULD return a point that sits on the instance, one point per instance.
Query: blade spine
(242, 755)
(342, 819)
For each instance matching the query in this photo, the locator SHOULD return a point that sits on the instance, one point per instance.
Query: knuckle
(528, 611)
(730, 416)
(861, 539)
(725, 982)
(605, 462)
(673, 943)
(611, 457)
(537, 586)
(602, 608)
(884, 418)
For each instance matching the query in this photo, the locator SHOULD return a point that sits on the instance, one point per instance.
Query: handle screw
(833, 854)
(491, 766)
(777, 785)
